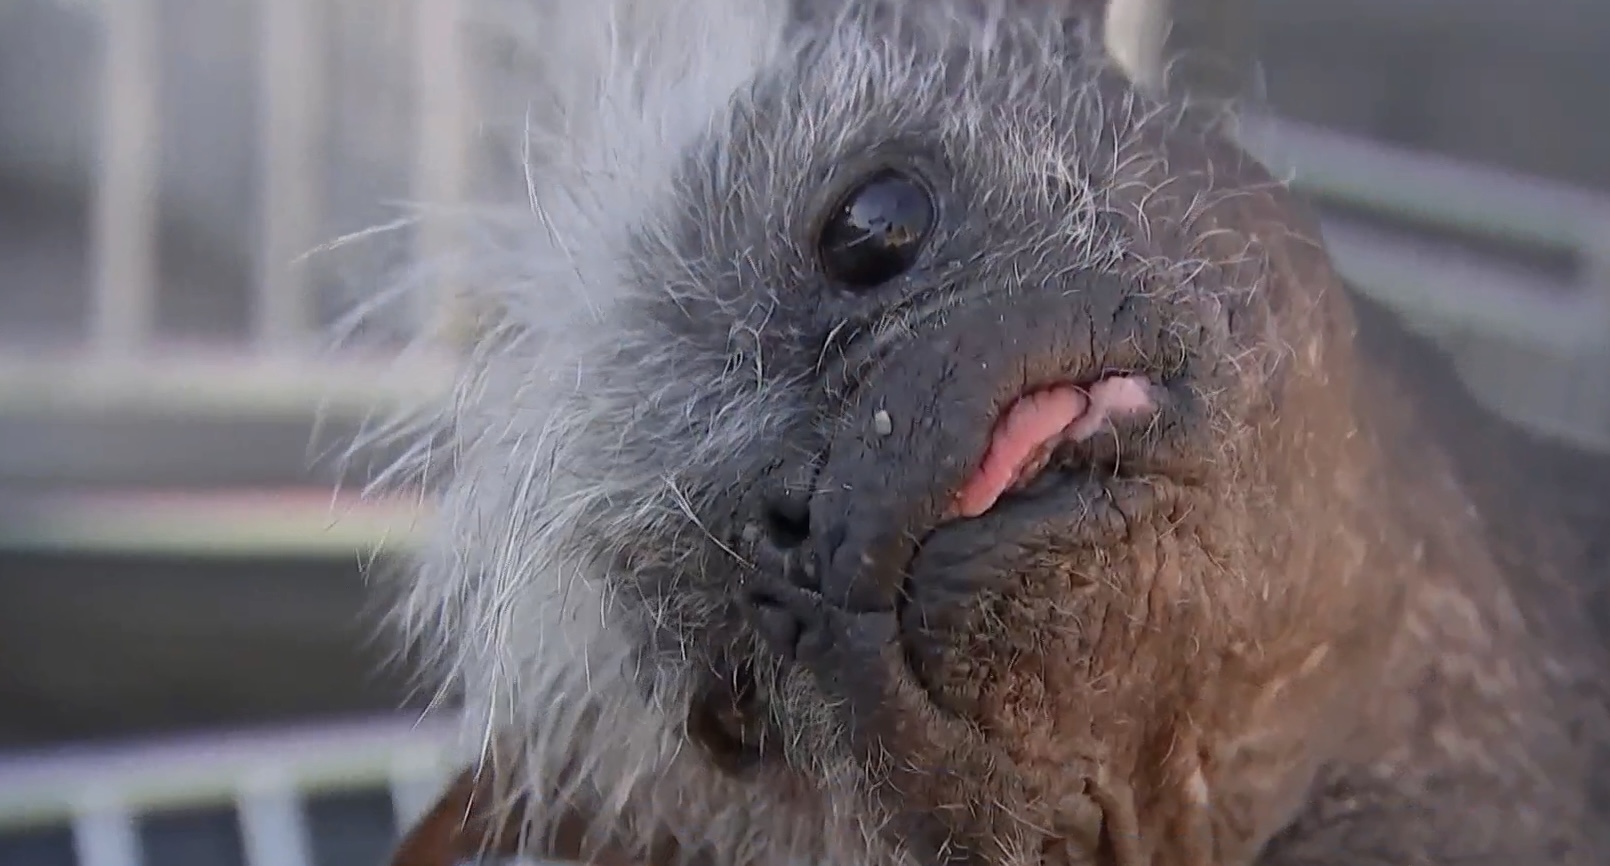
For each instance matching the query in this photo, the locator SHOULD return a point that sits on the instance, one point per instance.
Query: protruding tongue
(1033, 427)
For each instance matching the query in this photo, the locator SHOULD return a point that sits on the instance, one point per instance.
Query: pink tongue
(1034, 421)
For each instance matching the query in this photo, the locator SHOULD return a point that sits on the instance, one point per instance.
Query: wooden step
(216, 381)
(231, 523)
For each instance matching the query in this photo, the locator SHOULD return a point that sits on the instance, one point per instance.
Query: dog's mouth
(1051, 452)
(1059, 462)
(1050, 427)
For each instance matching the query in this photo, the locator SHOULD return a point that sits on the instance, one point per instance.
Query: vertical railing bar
(290, 123)
(104, 834)
(414, 785)
(441, 168)
(124, 249)
(273, 826)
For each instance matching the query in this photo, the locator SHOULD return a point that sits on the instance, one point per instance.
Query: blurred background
(187, 674)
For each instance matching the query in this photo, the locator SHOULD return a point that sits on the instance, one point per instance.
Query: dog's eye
(876, 231)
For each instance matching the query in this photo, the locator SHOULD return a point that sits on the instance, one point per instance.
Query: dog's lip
(934, 616)
(1081, 478)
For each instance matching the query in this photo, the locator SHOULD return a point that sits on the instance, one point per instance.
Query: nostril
(786, 518)
(779, 628)
(778, 611)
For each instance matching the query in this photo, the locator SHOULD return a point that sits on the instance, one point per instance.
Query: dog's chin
(1048, 541)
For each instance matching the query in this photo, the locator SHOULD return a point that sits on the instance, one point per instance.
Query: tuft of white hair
(585, 110)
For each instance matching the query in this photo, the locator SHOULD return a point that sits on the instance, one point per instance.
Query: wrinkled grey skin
(1259, 627)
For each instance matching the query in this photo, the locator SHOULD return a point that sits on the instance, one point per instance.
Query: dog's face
(954, 433)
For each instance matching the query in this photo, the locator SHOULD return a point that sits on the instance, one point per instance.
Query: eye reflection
(876, 231)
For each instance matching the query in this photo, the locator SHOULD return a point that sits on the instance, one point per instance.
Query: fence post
(442, 159)
(291, 120)
(128, 138)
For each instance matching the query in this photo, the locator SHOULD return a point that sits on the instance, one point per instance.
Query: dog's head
(890, 420)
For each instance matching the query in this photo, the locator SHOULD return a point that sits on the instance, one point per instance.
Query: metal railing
(124, 362)
(1478, 202)
(103, 793)
(292, 33)
(1481, 307)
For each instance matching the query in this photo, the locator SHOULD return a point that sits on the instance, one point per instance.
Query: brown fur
(1193, 714)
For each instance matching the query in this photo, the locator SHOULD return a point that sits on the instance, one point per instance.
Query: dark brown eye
(877, 230)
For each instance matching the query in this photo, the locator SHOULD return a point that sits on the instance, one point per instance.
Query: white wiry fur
(596, 102)
(574, 424)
